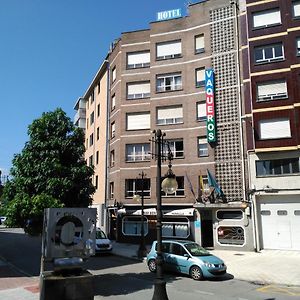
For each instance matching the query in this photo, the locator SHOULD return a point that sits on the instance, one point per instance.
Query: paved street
(119, 278)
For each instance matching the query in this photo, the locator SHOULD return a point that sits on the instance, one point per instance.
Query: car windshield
(196, 250)
(100, 234)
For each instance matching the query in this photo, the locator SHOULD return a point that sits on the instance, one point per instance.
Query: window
(199, 43)
(98, 87)
(136, 186)
(98, 133)
(274, 128)
(202, 147)
(96, 182)
(201, 111)
(98, 110)
(268, 53)
(277, 167)
(266, 18)
(229, 214)
(112, 158)
(168, 50)
(203, 184)
(271, 90)
(92, 118)
(200, 77)
(138, 60)
(231, 235)
(298, 46)
(265, 213)
(137, 152)
(176, 146)
(91, 139)
(91, 161)
(296, 9)
(138, 90)
(168, 82)
(114, 74)
(92, 97)
(97, 157)
(282, 213)
(179, 229)
(180, 190)
(133, 225)
(169, 115)
(111, 190)
(137, 121)
(112, 130)
(113, 102)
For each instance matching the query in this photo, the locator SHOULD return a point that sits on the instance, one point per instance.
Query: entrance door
(207, 228)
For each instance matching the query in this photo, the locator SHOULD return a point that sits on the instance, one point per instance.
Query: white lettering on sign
(168, 14)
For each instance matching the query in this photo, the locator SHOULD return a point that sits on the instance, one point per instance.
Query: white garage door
(280, 222)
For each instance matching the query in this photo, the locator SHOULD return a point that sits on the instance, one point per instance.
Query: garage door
(280, 222)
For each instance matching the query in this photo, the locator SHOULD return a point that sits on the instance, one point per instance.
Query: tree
(50, 164)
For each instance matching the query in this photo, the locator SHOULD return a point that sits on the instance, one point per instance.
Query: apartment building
(271, 58)
(158, 79)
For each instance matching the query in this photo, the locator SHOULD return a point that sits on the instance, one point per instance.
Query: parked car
(103, 244)
(2, 220)
(187, 257)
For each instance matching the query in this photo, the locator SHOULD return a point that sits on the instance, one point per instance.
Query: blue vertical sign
(210, 105)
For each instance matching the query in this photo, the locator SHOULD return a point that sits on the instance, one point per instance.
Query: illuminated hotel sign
(168, 14)
(210, 105)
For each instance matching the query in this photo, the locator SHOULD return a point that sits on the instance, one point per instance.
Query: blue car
(187, 257)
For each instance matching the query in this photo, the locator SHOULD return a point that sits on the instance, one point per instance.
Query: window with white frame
(200, 77)
(169, 115)
(202, 147)
(137, 186)
(274, 128)
(201, 111)
(137, 121)
(199, 43)
(91, 139)
(179, 229)
(268, 53)
(180, 190)
(271, 90)
(167, 50)
(296, 9)
(138, 60)
(138, 90)
(137, 152)
(266, 18)
(114, 74)
(112, 129)
(113, 102)
(168, 82)
(176, 146)
(298, 46)
(111, 190)
(112, 158)
(132, 225)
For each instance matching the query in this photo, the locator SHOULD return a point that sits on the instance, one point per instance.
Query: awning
(122, 211)
(180, 212)
(147, 212)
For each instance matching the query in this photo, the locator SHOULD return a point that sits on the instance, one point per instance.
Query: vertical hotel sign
(210, 105)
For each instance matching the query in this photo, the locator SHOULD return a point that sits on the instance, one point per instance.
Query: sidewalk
(266, 267)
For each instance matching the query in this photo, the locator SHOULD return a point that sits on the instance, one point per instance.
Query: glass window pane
(231, 235)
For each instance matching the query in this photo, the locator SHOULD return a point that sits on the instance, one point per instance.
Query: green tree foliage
(50, 164)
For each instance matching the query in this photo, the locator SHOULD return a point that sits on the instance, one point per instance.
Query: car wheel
(196, 273)
(152, 265)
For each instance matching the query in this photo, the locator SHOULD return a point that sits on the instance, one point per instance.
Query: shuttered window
(201, 111)
(114, 74)
(168, 50)
(266, 18)
(138, 60)
(138, 90)
(136, 121)
(296, 9)
(275, 128)
(199, 43)
(169, 115)
(200, 77)
(271, 90)
(113, 102)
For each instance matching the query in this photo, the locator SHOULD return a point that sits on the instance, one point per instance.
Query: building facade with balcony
(271, 57)
(157, 81)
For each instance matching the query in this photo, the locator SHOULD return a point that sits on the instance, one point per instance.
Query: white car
(2, 220)
(103, 244)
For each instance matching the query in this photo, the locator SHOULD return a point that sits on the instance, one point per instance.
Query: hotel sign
(210, 105)
(168, 14)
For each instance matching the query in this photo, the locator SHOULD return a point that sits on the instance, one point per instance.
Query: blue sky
(50, 51)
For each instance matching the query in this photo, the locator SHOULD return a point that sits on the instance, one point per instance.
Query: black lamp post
(169, 186)
(142, 251)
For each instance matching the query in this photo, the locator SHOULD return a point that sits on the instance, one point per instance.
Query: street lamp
(169, 186)
(142, 251)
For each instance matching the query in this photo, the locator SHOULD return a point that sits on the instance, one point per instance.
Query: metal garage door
(280, 222)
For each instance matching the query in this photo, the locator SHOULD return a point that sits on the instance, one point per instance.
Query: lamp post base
(160, 292)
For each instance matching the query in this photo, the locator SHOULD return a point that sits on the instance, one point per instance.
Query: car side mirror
(186, 255)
